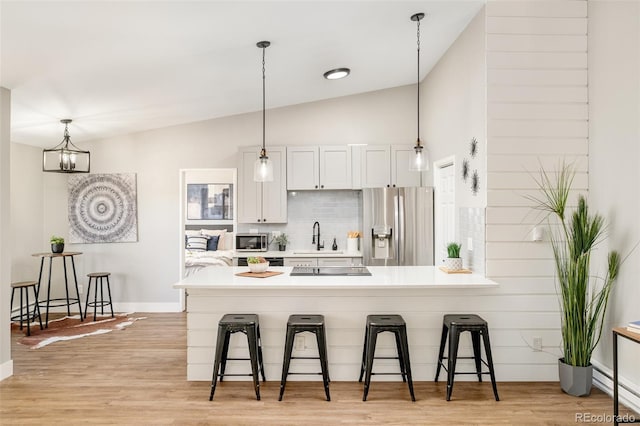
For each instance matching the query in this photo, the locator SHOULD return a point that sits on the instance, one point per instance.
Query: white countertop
(298, 253)
(382, 277)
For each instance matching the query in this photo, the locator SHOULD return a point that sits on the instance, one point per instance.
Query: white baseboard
(124, 307)
(603, 380)
(6, 370)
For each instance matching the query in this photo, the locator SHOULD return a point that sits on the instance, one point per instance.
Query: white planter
(453, 263)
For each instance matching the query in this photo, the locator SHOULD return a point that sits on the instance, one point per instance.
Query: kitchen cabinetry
(387, 166)
(323, 261)
(262, 202)
(318, 167)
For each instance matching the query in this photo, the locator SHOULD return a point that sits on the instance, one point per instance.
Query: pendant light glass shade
(420, 158)
(263, 167)
(66, 157)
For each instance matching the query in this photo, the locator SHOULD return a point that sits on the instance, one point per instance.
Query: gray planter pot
(574, 380)
(57, 248)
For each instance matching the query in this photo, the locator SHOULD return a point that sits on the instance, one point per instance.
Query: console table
(634, 337)
(66, 301)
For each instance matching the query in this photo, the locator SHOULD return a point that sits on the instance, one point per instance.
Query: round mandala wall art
(103, 208)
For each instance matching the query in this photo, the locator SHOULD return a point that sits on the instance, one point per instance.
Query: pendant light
(65, 157)
(263, 167)
(420, 160)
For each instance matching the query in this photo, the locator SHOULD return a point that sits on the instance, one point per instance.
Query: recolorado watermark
(604, 418)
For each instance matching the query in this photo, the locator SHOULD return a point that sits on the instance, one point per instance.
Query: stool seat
(452, 326)
(248, 325)
(23, 284)
(299, 324)
(378, 324)
(102, 302)
(464, 320)
(23, 287)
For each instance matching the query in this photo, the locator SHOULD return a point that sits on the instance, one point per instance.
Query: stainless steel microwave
(252, 242)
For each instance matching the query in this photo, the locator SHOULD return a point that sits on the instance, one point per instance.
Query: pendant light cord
(263, 102)
(418, 79)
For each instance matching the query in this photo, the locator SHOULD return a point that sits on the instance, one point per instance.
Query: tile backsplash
(338, 212)
(471, 220)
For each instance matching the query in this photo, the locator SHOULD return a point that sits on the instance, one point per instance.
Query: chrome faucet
(314, 240)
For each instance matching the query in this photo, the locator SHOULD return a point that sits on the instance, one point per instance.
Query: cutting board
(459, 271)
(265, 274)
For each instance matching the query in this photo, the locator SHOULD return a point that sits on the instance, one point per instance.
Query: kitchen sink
(310, 271)
(318, 252)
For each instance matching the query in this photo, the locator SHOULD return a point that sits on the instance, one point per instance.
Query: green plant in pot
(574, 233)
(57, 244)
(282, 241)
(453, 262)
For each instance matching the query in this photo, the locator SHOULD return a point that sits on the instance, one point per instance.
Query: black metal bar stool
(24, 287)
(102, 302)
(453, 325)
(298, 324)
(378, 324)
(248, 325)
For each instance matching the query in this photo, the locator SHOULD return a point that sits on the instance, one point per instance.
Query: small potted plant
(282, 241)
(57, 244)
(453, 262)
(257, 264)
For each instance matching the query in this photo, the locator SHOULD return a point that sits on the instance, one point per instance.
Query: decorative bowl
(258, 267)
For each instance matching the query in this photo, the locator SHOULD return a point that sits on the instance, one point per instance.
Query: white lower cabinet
(339, 261)
(322, 261)
(300, 261)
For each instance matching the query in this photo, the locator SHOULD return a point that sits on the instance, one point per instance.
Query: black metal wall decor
(473, 147)
(465, 169)
(475, 182)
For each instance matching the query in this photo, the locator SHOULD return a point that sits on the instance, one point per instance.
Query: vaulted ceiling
(118, 67)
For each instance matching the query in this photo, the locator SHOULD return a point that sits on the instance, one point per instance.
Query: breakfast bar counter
(421, 294)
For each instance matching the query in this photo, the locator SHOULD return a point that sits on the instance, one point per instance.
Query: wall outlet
(470, 244)
(299, 343)
(275, 234)
(80, 289)
(537, 344)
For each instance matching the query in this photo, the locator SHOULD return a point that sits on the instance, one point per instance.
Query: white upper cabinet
(318, 167)
(376, 166)
(401, 175)
(387, 166)
(262, 202)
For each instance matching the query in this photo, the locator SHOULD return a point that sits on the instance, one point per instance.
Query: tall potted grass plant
(574, 233)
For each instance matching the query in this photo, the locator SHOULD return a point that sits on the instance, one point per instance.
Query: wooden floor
(137, 376)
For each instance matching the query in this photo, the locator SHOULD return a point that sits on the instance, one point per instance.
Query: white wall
(143, 272)
(454, 112)
(536, 114)
(454, 108)
(27, 212)
(614, 154)
(6, 364)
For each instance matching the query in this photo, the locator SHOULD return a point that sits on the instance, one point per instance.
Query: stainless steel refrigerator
(398, 226)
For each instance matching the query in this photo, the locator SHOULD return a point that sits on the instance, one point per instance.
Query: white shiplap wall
(537, 114)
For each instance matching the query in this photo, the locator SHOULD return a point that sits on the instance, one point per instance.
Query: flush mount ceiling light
(420, 160)
(65, 157)
(337, 73)
(263, 167)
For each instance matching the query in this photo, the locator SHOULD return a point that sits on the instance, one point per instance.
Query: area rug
(71, 327)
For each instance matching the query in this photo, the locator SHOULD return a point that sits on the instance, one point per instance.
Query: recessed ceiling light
(337, 73)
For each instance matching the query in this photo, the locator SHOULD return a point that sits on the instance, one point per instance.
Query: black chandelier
(66, 157)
